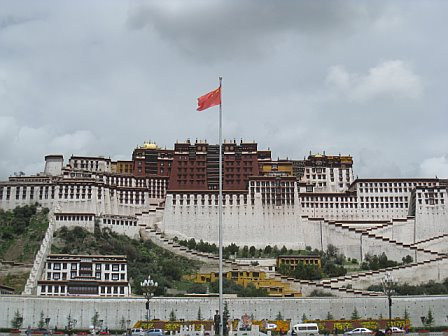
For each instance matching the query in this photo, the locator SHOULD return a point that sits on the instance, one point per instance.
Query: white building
(84, 275)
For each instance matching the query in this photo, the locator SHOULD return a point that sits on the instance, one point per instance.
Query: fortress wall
(130, 231)
(403, 231)
(431, 221)
(439, 244)
(242, 224)
(437, 270)
(356, 213)
(255, 225)
(112, 310)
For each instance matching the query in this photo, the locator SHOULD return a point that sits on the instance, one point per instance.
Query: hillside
(21, 233)
(144, 257)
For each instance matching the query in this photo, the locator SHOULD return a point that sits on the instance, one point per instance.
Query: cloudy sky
(365, 78)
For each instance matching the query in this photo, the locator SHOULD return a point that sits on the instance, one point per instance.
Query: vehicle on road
(138, 332)
(358, 332)
(305, 329)
(155, 332)
(395, 330)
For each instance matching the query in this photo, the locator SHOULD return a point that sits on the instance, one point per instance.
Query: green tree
(17, 320)
(355, 314)
(233, 248)
(199, 314)
(429, 320)
(71, 322)
(95, 319)
(332, 251)
(251, 291)
(406, 314)
(41, 322)
(268, 250)
(252, 251)
(307, 272)
(330, 316)
(225, 316)
(191, 244)
(304, 318)
(245, 251)
(279, 316)
(173, 317)
(284, 269)
(407, 260)
(123, 324)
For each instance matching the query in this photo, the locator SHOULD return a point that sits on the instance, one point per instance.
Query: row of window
(86, 273)
(385, 190)
(324, 177)
(430, 195)
(130, 181)
(123, 222)
(321, 170)
(394, 184)
(269, 183)
(74, 266)
(61, 289)
(432, 201)
(74, 218)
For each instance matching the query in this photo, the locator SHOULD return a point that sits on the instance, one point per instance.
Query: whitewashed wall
(112, 310)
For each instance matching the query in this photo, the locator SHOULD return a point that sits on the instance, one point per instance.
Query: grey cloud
(9, 20)
(132, 72)
(232, 29)
(390, 80)
(435, 166)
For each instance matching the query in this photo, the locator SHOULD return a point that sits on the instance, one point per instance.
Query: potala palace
(313, 202)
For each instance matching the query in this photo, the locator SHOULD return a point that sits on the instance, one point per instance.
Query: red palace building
(195, 166)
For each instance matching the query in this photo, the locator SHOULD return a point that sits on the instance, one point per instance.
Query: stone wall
(112, 310)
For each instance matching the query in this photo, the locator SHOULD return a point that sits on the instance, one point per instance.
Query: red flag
(210, 99)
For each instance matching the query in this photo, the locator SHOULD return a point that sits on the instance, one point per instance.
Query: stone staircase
(41, 257)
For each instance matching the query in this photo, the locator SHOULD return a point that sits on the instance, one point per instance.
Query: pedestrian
(335, 331)
(216, 320)
(379, 333)
(388, 332)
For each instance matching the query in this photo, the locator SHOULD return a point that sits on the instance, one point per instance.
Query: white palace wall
(112, 310)
(260, 225)
(242, 224)
(431, 221)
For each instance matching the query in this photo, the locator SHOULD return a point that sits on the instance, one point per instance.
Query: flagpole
(221, 305)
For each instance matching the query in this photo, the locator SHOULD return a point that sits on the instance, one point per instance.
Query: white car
(271, 326)
(358, 331)
(138, 332)
(395, 330)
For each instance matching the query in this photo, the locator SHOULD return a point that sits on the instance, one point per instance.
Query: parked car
(305, 329)
(395, 330)
(358, 331)
(137, 332)
(271, 326)
(155, 332)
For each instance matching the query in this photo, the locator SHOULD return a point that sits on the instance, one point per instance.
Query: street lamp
(389, 283)
(148, 286)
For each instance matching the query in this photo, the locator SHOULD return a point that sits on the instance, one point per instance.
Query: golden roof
(148, 145)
